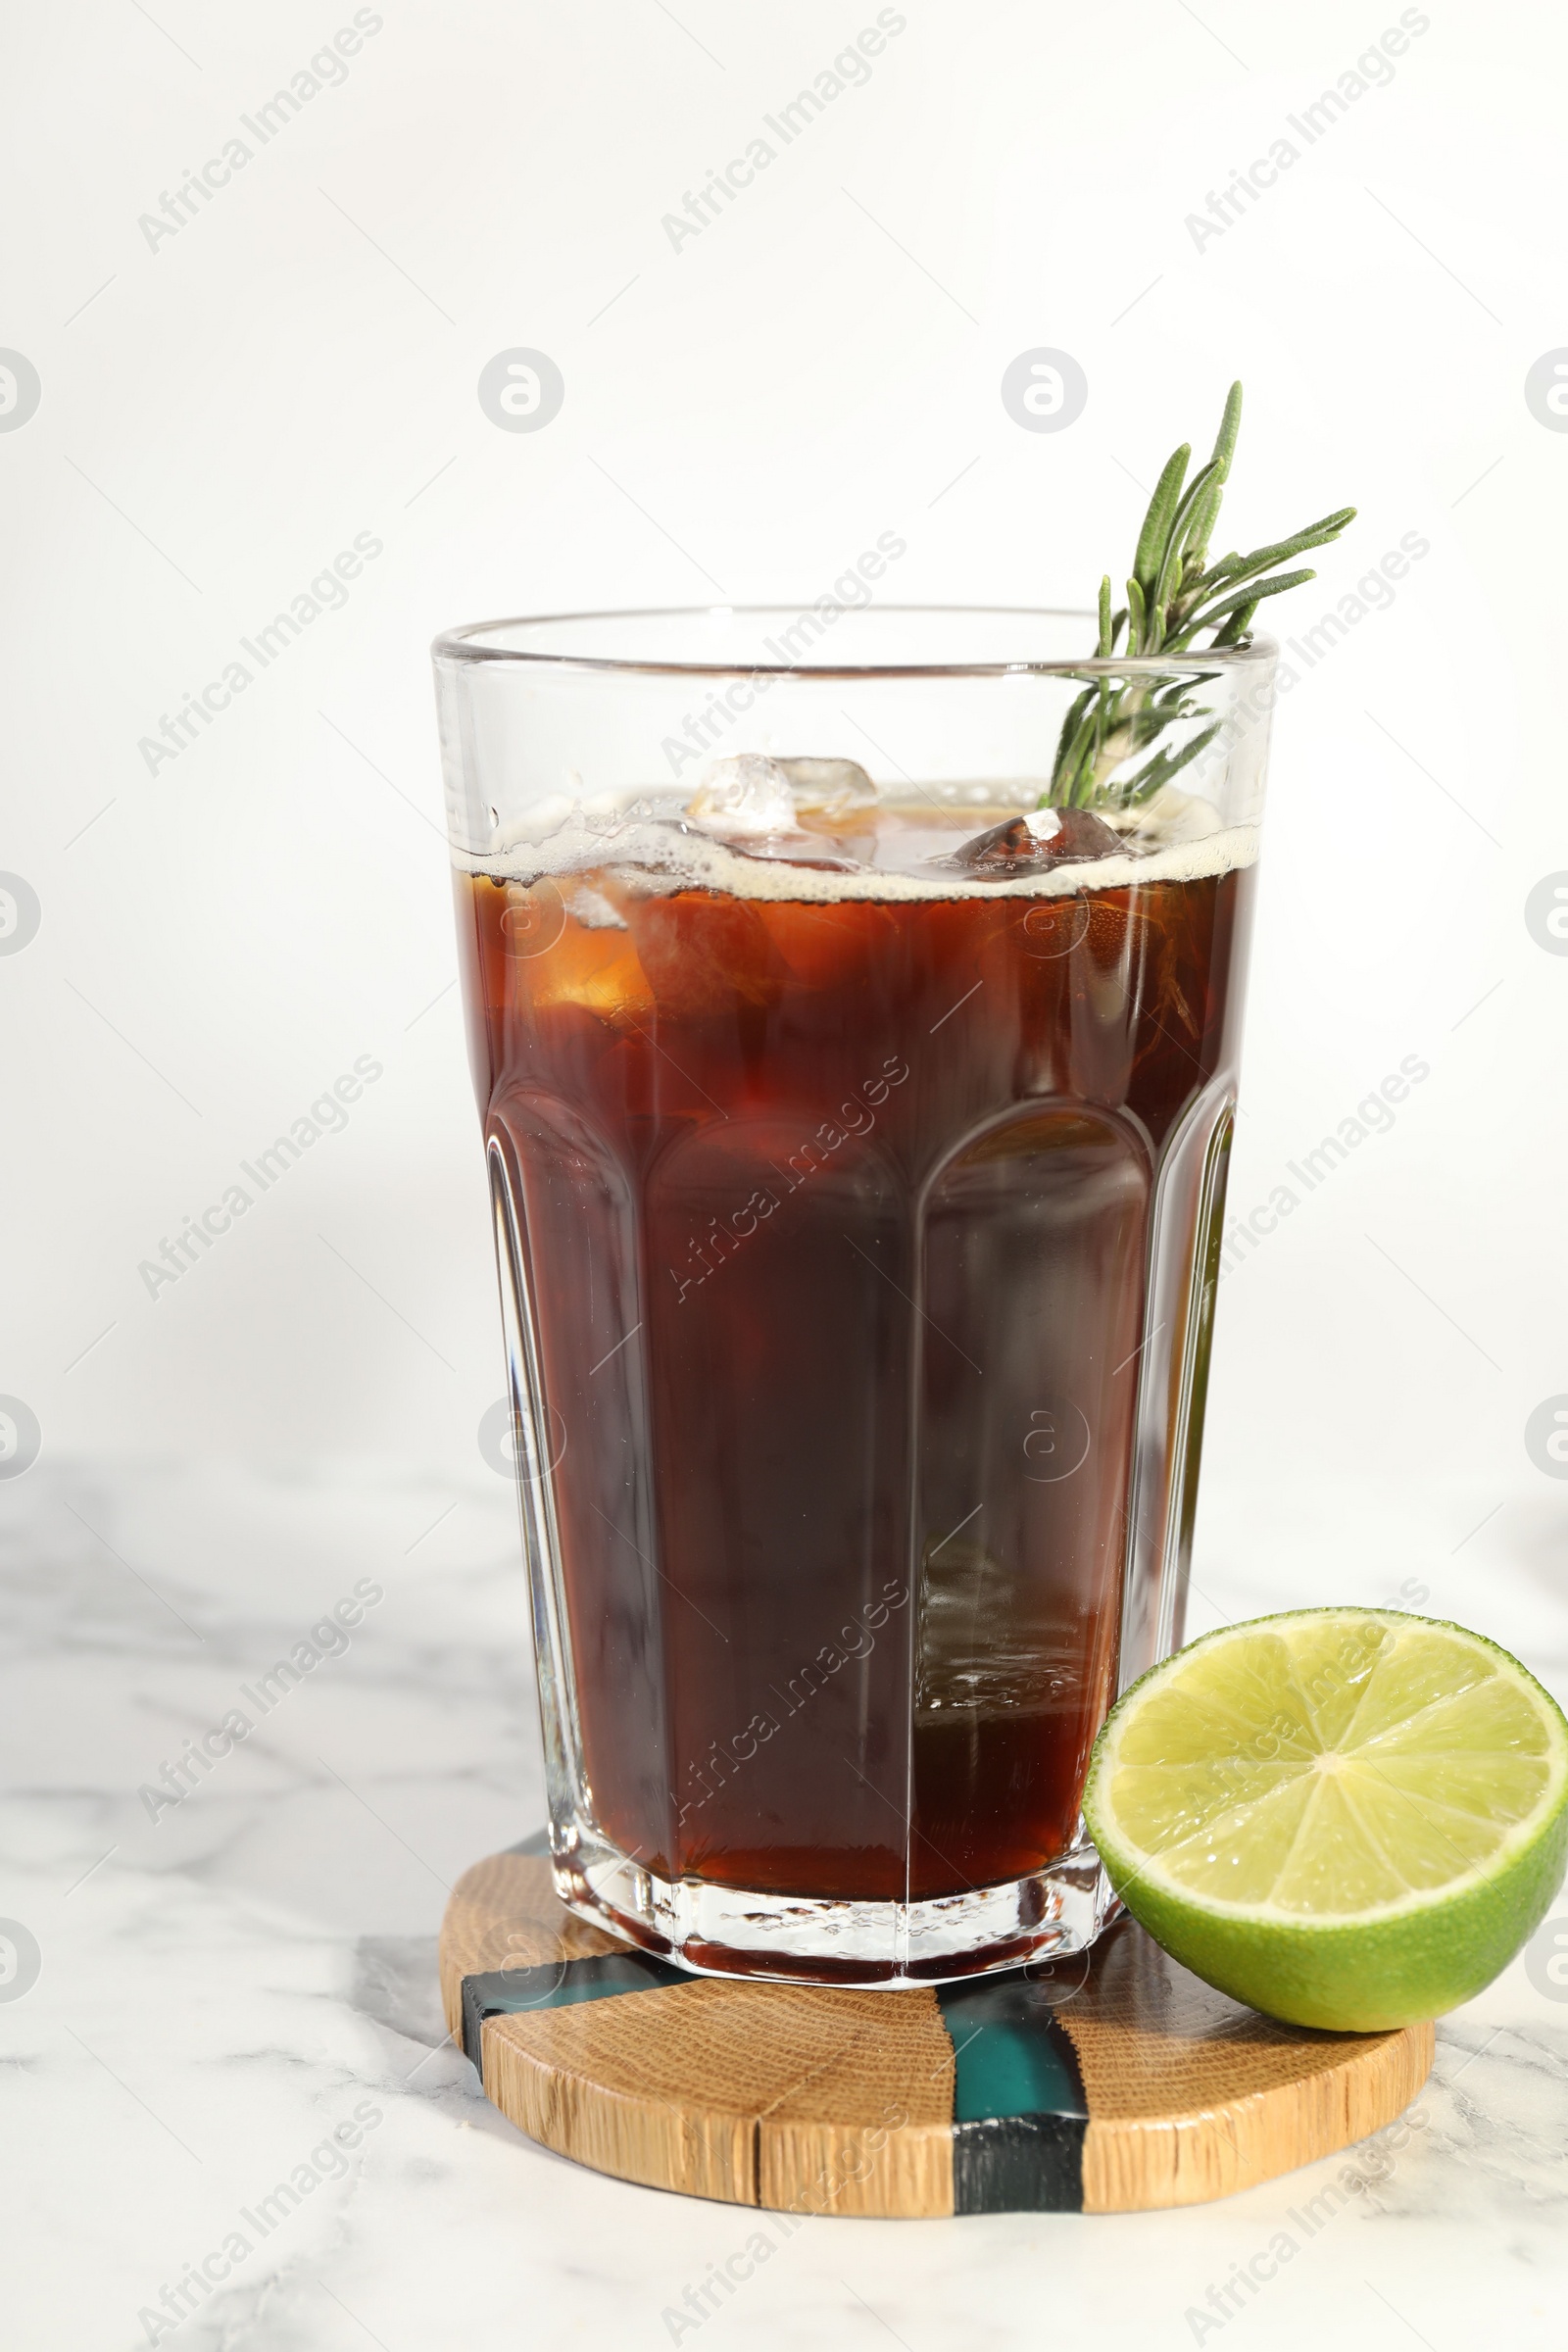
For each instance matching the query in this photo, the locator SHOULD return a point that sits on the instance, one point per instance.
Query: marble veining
(233, 2053)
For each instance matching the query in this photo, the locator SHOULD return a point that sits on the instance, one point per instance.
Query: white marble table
(235, 1987)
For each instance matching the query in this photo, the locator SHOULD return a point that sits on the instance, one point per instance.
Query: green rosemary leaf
(1164, 766)
(1069, 725)
(1253, 592)
(1208, 515)
(1155, 533)
(1316, 534)
(1236, 628)
(1060, 795)
(1230, 427)
(1078, 769)
(1173, 567)
(1173, 597)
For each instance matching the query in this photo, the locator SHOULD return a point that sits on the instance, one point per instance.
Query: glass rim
(463, 645)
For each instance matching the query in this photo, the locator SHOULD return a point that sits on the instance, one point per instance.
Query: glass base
(719, 1930)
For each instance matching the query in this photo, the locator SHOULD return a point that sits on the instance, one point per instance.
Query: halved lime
(1347, 1818)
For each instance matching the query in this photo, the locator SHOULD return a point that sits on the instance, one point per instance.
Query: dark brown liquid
(836, 1227)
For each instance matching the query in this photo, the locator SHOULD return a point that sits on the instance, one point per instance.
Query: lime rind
(1373, 1821)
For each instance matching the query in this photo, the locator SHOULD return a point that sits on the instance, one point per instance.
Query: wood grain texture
(619, 2085)
(1192, 2096)
(864, 2123)
(505, 1913)
(814, 2100)
(809, 2099)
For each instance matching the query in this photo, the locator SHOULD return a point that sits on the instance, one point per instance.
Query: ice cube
(829, 787)
(743, 799)
(704, 953)
(591, 909)
(1036, 841)
(591, 971)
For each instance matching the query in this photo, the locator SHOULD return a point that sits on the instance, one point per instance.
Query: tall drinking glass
(858, 1130)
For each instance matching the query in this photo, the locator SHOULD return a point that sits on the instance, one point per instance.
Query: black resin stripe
(1020, 2114)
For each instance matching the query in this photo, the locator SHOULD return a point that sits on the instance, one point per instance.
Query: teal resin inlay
(559, 1984)
(1013, 2055)
(1020, 2114)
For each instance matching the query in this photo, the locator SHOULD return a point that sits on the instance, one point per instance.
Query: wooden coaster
(1115, 2083)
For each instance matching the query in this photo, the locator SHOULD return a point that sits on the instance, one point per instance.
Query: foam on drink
(844, 843)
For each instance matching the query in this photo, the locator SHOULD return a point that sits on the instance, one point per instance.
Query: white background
(267, 383)
(297, 365)
(221, 940)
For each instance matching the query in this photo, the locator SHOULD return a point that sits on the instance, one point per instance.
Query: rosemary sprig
(1174, 594)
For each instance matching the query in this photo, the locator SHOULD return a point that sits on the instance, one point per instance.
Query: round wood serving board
(1115, 2082)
